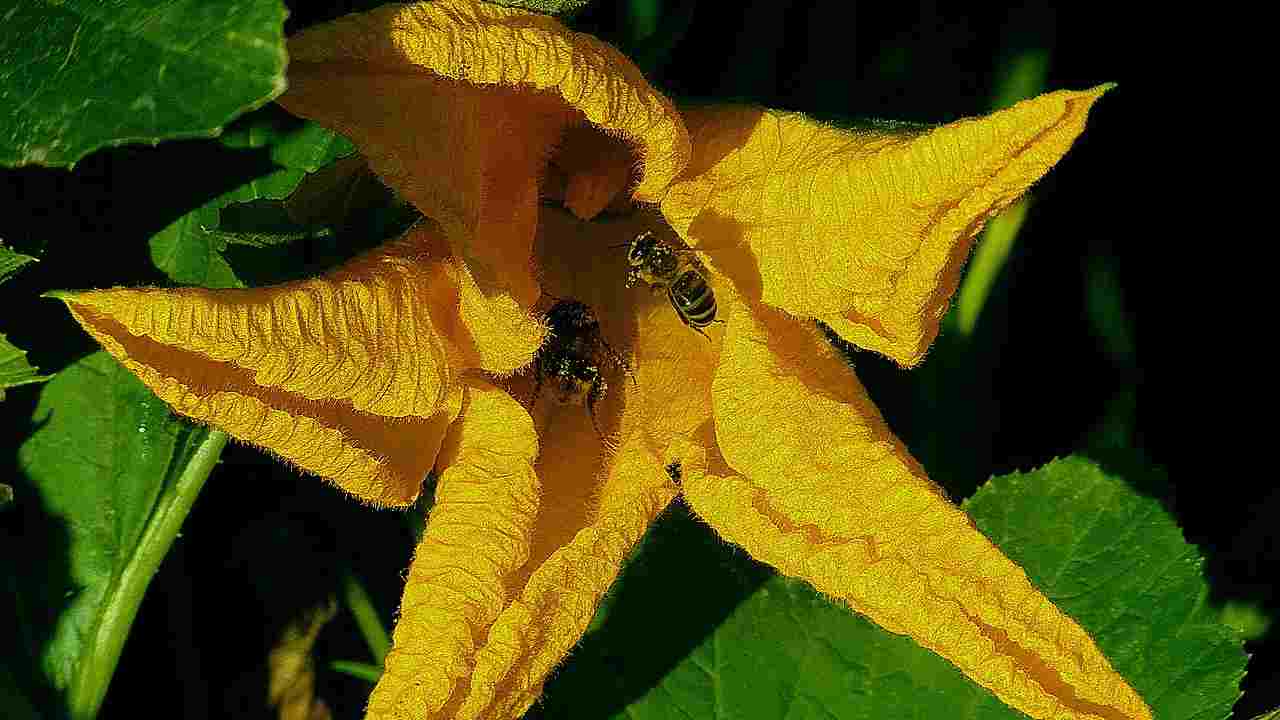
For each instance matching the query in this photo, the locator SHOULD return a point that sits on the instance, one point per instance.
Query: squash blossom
(536, 154)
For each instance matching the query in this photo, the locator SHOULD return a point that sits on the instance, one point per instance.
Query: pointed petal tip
(879, 270)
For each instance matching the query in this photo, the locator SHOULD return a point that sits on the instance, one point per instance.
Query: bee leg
(617, 359)
(699, 331)
(597, 391)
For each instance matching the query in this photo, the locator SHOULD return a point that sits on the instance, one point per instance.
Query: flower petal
(458, 106)
(352, 376)
(478, 534)
(863, 230)
(560, 598)
(829, 495)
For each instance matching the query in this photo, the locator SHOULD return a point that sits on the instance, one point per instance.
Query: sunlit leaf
(78, 75)
(1112, 557)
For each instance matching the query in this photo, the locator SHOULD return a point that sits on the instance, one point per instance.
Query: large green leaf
(107, 477)
(695, 629)
(191, 250)
(1113, 559)
(78, 75)
(14, 368)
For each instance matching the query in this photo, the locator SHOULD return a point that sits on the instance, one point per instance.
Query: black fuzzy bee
(571, 358)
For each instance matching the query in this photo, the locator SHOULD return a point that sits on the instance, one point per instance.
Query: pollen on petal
(814, 483)
(863, 229)
(351, 376)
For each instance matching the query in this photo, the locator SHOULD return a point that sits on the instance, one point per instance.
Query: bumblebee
(661, 264)
(572, 356)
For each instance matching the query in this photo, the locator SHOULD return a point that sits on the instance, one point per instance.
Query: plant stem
(369, 673)
(85, 696)
(375, 635)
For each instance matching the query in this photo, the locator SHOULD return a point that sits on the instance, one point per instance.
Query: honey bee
(674, 471)
(572, 357)
(661, 264)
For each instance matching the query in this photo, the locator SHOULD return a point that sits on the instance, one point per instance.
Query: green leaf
(81, 74)
(695, 629)
(14, 368)
(295, 146)
(1114, 560)
(11, 262)
(190, 250)
(110, 474)
(546, 7)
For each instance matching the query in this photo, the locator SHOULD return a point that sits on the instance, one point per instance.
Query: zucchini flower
(537, 156)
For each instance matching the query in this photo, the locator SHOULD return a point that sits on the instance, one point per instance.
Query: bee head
(641, 247)
(570, 314)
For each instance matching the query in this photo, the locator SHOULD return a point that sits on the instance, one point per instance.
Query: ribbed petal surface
(827, 494)
(350, 376)
(478, 534)
(865, 230)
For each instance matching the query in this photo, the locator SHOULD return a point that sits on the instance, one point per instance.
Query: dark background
(1041, 378)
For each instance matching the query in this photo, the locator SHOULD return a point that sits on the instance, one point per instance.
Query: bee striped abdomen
(693, 299)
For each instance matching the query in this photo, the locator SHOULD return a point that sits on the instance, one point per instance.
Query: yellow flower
(536, 152)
